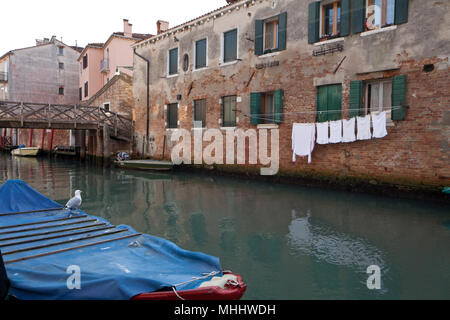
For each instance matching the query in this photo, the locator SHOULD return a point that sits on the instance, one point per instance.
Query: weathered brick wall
(60, 138)
(416, 150)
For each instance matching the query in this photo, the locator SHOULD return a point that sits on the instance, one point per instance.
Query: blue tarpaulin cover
(122, 266)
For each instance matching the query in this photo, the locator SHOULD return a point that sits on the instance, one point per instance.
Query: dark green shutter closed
(334, 102)
(358, 16)
(259, 40)
(282, 31)
(278, 102)
(230, 44)
(322, 104)
(356, 99)
(345, 17)
(313, 21)
(399, 97)
(200, 54)
(255, 108)
(401, 11)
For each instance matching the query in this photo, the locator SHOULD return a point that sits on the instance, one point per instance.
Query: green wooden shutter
(322, 104)
(401, 11)
(313, 21)
(200, 54)
(282, 31)
(358, 16)
(345, 17)
(259, 40)
(399, 97)
(334, 102)
(255, 108)
(230, 46)
(278, 101)
(356, 99)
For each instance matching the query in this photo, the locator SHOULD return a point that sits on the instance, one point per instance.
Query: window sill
(267, 55)
(228, 128)
(321, 43)
(267, 126)
(203, 129)
(386, 29)
(171, 129)
(226, 64)
(171, 76)
(200, 69)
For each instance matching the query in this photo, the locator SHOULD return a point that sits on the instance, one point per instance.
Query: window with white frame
(330, 22)
(201, 54)
(172, 65)
(230, 46)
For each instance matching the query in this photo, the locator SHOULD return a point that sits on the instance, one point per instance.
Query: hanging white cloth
(379, 125)
(336, 131)
(349, 130)
(363, 124)
(322, 132)
(303, 140)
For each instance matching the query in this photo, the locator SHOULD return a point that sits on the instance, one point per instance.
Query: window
(201, 54)
(61, 91)
(270, 34)
(172, 115)
(61, 66)
(173, 62)
(60, 51)
(266, 107)
(331, 19)
(85, 61)
(378, 96)
(200, 111)
(380, 13)
(86, 89)
(80, 93)
(329, 103)
(229, 111)
(185, 62)
(230, 46)
(106, 106)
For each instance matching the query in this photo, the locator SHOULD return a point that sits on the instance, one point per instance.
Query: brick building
(270, 64)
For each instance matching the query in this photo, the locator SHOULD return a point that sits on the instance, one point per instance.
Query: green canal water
(287, 242)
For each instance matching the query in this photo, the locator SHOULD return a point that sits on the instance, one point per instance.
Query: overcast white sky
(85, 21)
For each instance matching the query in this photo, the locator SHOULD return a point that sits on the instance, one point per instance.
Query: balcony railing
(104, 65)
(3, 76)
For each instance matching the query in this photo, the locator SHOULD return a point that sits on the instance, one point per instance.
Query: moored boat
(157, 165)
(26, 152)
(44, 246)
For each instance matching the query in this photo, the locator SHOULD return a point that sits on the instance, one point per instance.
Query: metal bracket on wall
(326, 49)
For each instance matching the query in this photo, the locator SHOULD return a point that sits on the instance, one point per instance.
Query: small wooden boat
(26, 152)
(159, 165)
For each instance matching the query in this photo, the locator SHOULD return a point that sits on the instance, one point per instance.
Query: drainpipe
(148, 91)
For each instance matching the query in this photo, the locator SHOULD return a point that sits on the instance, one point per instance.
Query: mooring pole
(31, 137)
(43, 137)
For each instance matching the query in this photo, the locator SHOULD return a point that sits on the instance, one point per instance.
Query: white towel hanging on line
(349, 130)
(363, 124)
(322, 132)
(379, 125)
(303, 140)
(336, 131)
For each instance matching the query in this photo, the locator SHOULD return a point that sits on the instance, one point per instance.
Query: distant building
(99, 62)
(44, 73)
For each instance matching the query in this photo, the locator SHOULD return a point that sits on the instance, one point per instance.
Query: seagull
(75, 202)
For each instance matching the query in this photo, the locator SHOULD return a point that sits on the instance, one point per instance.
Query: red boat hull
(230, 292)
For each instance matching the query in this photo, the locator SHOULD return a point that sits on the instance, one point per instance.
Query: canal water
(287, 242)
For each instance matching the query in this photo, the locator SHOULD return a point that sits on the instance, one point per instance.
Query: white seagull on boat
(75, 202)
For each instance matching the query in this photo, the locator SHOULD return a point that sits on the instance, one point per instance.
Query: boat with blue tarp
(46, 249)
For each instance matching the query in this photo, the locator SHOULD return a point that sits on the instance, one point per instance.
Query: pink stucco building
(99, 62)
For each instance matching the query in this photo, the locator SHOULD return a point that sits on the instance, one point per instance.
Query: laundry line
(263, 116)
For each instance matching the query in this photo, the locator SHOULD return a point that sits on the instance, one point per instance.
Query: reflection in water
(330, 246)
(287, 242)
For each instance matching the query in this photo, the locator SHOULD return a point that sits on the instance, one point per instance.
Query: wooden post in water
(106, 142)
(83, 144)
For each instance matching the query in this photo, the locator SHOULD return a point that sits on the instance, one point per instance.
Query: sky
(86, 21)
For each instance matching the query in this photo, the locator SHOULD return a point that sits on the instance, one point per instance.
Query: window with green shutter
(200, 111)
(358, 15)
(356, 99)
(401, 11)
(313, 21)
(255, 108)
(200, 54)
(266, 107)
(329, 103)
(270, 34)
(399, 97)
(173, 61)
(172, 115)
(230, 46)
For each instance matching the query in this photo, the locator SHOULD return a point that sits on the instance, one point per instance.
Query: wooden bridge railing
(55, 116)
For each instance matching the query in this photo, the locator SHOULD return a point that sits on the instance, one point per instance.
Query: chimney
(162, 26)
(127, 28)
